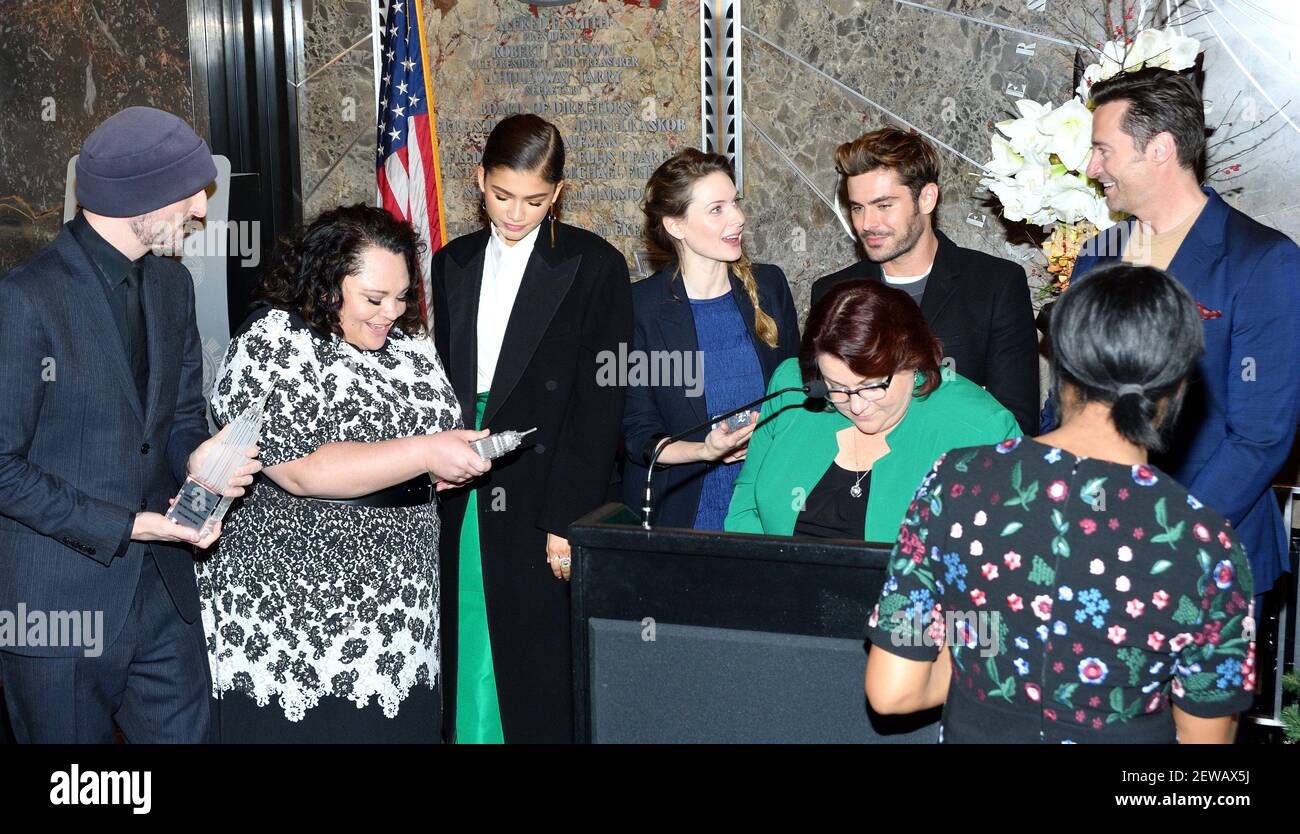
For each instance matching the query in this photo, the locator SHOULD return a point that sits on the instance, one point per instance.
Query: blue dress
(732, 377)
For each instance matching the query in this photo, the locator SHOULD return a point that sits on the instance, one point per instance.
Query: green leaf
(1162, 517)
(1011, 528)
(1199, 681)
(1064, 693)
(1042, 573)
(1187, 613)
(963, 464)
(900, 564)
(1031, 492)
(1169, 536)
(1203, 558)
(1161, 566)
(992, 669)
(909, 567)
(1015, 477)
(891, 604)
(1117, 699)
(1061, 547)
(1091, 488)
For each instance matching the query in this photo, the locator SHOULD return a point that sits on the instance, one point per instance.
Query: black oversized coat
(574, 303)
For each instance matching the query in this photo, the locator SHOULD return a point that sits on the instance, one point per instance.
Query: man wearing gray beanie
(102, 418)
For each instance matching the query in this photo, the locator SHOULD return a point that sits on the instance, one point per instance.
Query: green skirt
(478, 714)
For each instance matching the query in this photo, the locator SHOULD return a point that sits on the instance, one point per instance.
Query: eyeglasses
(875, 392)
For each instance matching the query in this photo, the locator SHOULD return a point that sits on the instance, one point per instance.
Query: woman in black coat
(723, 322)
(523, 312)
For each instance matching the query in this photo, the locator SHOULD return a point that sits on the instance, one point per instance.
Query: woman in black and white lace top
(320, 604)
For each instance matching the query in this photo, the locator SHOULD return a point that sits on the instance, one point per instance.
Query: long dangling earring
(552, 219)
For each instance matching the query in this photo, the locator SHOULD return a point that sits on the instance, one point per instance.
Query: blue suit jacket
(664, 322)
(1240, 415)
(79, 453)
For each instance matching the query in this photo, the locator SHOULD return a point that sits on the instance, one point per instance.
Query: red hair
(873, 328)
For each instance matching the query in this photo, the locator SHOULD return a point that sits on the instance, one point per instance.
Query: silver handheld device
(495, 445)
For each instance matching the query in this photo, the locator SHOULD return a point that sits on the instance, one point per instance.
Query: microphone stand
(815, 389)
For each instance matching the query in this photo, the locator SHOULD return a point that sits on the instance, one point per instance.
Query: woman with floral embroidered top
(321, 603)
(1062, 589)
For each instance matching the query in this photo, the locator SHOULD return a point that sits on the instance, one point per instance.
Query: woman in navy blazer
(710, 328)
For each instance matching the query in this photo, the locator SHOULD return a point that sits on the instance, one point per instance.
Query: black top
(831, 511)
(1080, 598)
(111, 266)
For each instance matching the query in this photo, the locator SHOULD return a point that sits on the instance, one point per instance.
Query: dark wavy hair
(307, 278)
(875, 329)
(1127, 325)
(1159, 100)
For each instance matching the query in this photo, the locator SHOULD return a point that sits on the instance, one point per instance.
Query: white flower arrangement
(1037, 170)
(1163, 48)
(1040, 159)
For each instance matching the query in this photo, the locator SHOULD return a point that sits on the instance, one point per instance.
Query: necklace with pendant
(856, 489)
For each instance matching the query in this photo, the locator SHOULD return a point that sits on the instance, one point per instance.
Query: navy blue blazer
(664, 322)
(1239, 418)
(79, 453)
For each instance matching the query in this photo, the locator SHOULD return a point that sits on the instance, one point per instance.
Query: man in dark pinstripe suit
(102, 416)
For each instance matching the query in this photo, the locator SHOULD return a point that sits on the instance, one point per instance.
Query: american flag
(410, 184)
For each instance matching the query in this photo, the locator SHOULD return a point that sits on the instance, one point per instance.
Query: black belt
(413, 493)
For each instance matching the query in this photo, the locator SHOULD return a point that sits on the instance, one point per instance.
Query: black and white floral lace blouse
(305, 598)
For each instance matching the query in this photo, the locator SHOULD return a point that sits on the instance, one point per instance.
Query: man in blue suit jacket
(101, 419)
(1240, 415)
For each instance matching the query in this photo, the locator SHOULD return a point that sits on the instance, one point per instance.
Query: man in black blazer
(976, 304)
(101, 419)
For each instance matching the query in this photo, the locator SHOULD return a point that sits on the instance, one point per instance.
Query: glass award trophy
(200, 504)
(496, 445)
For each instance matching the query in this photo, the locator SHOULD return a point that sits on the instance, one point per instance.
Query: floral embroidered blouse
(1079, 598)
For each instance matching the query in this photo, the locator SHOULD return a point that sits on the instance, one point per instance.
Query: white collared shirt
(503, 272)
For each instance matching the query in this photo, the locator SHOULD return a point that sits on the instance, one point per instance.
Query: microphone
(816, 390)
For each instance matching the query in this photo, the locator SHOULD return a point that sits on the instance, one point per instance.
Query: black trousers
(152, 681)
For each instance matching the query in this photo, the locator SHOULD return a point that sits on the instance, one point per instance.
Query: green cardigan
(789, 453)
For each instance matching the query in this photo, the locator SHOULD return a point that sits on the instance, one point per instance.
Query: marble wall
(820, 72)
(64, 68)
(495, 57)
(620, 78)
(336, 100)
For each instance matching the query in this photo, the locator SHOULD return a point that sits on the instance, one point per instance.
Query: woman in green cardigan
(847, 466)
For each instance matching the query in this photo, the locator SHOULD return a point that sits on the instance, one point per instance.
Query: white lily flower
(1006, 162)
(1182, 52)
(1150, 47)
(1069, 131)
(1091, 76)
